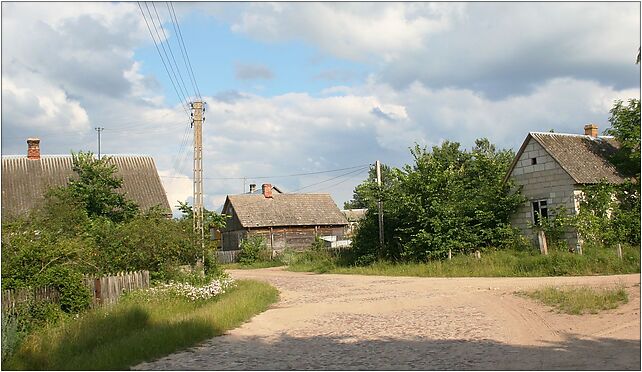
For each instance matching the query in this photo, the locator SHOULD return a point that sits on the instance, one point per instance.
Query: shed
(284, 220)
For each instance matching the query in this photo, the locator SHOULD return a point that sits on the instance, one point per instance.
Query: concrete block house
(283, 220)
(26, 179)
(551, 168)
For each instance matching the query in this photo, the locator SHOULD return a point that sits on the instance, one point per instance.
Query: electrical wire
(190, 73)
(189, 63)
(333, 178)
(171, 67)
(171, 52)
(161, 57)
(281, 176)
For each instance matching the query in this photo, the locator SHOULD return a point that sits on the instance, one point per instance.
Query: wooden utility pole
(380, 204)
(197, 123)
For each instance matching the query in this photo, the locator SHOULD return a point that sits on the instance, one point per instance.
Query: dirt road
(367, 322)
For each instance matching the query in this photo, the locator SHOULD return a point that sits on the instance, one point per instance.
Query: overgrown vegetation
(254, 250)
(448, 199)
(89, 228)
(139, 328)
(496, 263)
(577, 301)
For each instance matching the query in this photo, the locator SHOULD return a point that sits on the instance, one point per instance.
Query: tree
(96, 188)
(366, 194)
(210, 218)
(448, 199)
(625, 127)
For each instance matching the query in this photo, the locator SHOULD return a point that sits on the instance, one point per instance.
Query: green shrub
(12, 334)
(253, 249)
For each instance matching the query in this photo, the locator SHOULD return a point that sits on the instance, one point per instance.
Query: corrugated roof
(583, 157)
(25, 181)
(285, 210)
(354, 214)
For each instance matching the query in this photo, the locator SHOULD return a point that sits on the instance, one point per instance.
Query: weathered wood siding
(280, 238)
(545, 180)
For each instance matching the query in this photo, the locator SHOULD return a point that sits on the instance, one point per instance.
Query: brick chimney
(267, 190)
(252, 188)
(33, 149)
(590, 130)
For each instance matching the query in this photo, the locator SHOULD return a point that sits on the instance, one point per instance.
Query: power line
(161, 57)
(362, 166)
(333, 178)
(160, 24)
(346, 180)
(171, 67)
(177, 29)
(189, 63)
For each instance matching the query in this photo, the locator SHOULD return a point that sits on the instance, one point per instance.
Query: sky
(299, 88)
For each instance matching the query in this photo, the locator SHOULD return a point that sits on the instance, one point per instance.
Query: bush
(253, 249)
(74, 295)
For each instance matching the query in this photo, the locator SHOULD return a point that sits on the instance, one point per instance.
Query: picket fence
(227, 256)
(105, 290)
(108, 289)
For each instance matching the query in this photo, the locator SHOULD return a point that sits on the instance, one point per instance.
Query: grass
(139, 329)
(503, 263)
(254, 265)
(577, 301)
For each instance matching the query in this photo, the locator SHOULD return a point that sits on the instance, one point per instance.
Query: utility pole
(380, 204)
(99, 129)
(197, 123)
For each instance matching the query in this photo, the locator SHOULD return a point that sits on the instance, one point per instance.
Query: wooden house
(25, 179)
(552, 168)
(283, 220)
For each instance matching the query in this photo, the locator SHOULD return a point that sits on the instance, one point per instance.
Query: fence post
(619, 250)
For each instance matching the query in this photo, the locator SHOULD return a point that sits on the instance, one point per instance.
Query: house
(283, 220)
(25, 179)
(551, 168)
(353, 216)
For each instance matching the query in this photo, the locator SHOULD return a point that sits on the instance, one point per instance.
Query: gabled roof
(25, 181)
(584, 158)
(354, 215)
(255, 210)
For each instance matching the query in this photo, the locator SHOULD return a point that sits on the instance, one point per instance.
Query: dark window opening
(533, 161)
(540, 210)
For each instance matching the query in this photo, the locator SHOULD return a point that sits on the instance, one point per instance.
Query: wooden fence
(105, 290)
(11, 298)
(227, 256)
(108, 289)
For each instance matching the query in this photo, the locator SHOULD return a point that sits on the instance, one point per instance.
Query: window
(540, 210)
(533, 161)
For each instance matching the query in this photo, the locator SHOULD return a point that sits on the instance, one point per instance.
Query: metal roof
(25, 181)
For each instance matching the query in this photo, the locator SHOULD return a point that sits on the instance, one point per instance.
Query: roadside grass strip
(144, 326)
(500, 263)
(581, 300)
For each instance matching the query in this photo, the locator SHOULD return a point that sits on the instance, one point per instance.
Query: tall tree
(625, 127)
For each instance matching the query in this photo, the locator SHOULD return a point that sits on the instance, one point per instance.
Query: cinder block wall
(545, 180)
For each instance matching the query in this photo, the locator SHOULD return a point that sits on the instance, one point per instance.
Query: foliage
(11, 335)
(253, 249)
(493, 263)
(139, 328)
(96, 188)
(625, 127)
(449, 199)
(365, 194)
(577, 301)
(210, 218)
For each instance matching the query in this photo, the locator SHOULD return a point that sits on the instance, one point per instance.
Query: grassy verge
(139, 328)
(492, 264)
(581, 300)
(254, 265)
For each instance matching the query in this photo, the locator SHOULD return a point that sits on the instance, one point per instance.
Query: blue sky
(308, 87)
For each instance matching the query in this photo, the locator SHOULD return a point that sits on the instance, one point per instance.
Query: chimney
(267, 190)
(33, 149)
(252, 188)
(590, 130)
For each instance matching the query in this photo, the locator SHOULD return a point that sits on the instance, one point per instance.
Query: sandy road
(368, 322)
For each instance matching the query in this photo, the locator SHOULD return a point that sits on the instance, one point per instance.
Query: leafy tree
(210, 218)
(365, 195)
(449, 199)
(625, 127)
(96, 188)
